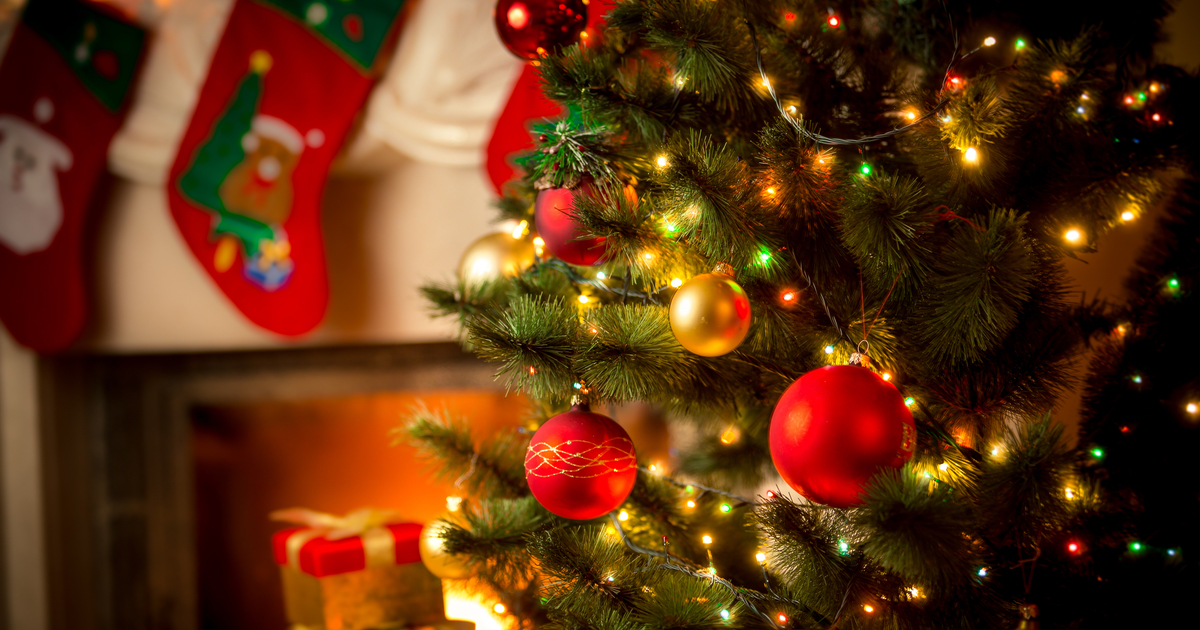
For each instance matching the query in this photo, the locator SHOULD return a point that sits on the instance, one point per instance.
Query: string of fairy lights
(942, 472)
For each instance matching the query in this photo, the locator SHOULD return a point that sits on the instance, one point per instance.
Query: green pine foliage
(893, 180)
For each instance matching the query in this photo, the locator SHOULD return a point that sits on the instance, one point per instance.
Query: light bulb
(676, 282)
(1070, 493)
(971, 155)
(662, 161)
(943, 466)
(991, 41)
(623, 516)
(887, 376)
(706, 539)
(868, 608)
(1073, 235)
(829, 349)
(761, 557)
(499, 608)
(1191, 408)
(583, 299)
(1127, 215)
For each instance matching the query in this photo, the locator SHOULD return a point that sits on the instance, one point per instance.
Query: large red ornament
(560, 231)
(836, 427)
(532, 28)
(580, 464)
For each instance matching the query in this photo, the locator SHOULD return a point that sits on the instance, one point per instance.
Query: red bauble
(532, 28)
(556, 226)
(580, 464)
(836, 427)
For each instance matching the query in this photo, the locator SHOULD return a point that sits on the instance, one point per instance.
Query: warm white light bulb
(991, 41)
(971, 155)
(624, 516)
(943, 466)
(1073, 235)
(1192, 408)
(676, 282)
(662, 161)
(707, 539)
(583, 299)
(761, 557)
(1127, 215)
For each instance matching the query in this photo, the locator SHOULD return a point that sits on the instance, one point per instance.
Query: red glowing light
(834, 21)
(789, 296)
(782, 618)
(518, 15)
(770, 494)
(1073, 547)
(789, 16)
(1156, 118)
(1129, 100)
(1125, 429)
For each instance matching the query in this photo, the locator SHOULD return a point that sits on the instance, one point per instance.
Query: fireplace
(160, 469)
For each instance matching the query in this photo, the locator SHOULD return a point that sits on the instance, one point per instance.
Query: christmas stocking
(62, 90)
(526, 106)
(286, 81)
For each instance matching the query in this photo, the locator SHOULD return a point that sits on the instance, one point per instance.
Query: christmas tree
(831, 240)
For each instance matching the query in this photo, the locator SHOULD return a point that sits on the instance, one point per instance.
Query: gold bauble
(495, 256)
(433, 554)
(710, 314)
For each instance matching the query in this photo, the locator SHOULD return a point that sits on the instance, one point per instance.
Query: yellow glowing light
(647, 255)
(679, 81)
(789, 296)
(1153, 87)
(706, 539)
(730, 435)
(594, 330)
(1070, 493)
(1127, 215)
(782, 618)
(499, 608)
(583, 299)
(868, 608)
(911, 115)
(471, 608)
(691, 504)
(887, 376)
(453, 504)
(1121, 329)
(624, 516)
(653, 467)
(771, 190)
(1191, 408)
(676, 282)
(1073, 235)
(995, 451)
(662, 161)
(519, 231)
(914, 592)
(991, 41)
(766, 82)
(943, 466)
(791, 109)
(539, 242)
(971, 155)
(761, 557)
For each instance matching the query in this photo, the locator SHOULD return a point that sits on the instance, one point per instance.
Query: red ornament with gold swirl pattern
(580, 465)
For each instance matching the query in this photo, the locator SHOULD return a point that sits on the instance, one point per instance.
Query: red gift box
(355, 572)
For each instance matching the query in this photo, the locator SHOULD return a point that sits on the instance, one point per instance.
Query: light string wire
(825, 140)
(742, 595)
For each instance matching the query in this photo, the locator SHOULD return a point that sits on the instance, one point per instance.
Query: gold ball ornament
(495, 256)
(710, 314)
(444, 565)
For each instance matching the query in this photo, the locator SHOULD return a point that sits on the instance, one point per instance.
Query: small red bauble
(559, 230)
(532, 28)
(580, 464)
(834, 428)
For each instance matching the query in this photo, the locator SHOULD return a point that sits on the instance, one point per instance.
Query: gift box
(355, 572)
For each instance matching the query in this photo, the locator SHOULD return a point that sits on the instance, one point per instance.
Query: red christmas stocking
(285, 83)
(62, 91)
(527, 105)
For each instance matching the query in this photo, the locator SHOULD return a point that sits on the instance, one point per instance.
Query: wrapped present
(355, 572)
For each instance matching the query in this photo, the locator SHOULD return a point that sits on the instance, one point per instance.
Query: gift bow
(378, 544)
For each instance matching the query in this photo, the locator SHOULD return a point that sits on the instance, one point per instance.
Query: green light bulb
(910, 401)
(764, 257)
(726, 508)
(1020, 44)
(1141, 96)
(1173, 283)
(1097, 452)
(866, 169)
(725, 615)
(1135, 546)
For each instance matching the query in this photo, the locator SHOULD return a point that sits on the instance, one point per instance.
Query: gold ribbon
(378, 544)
